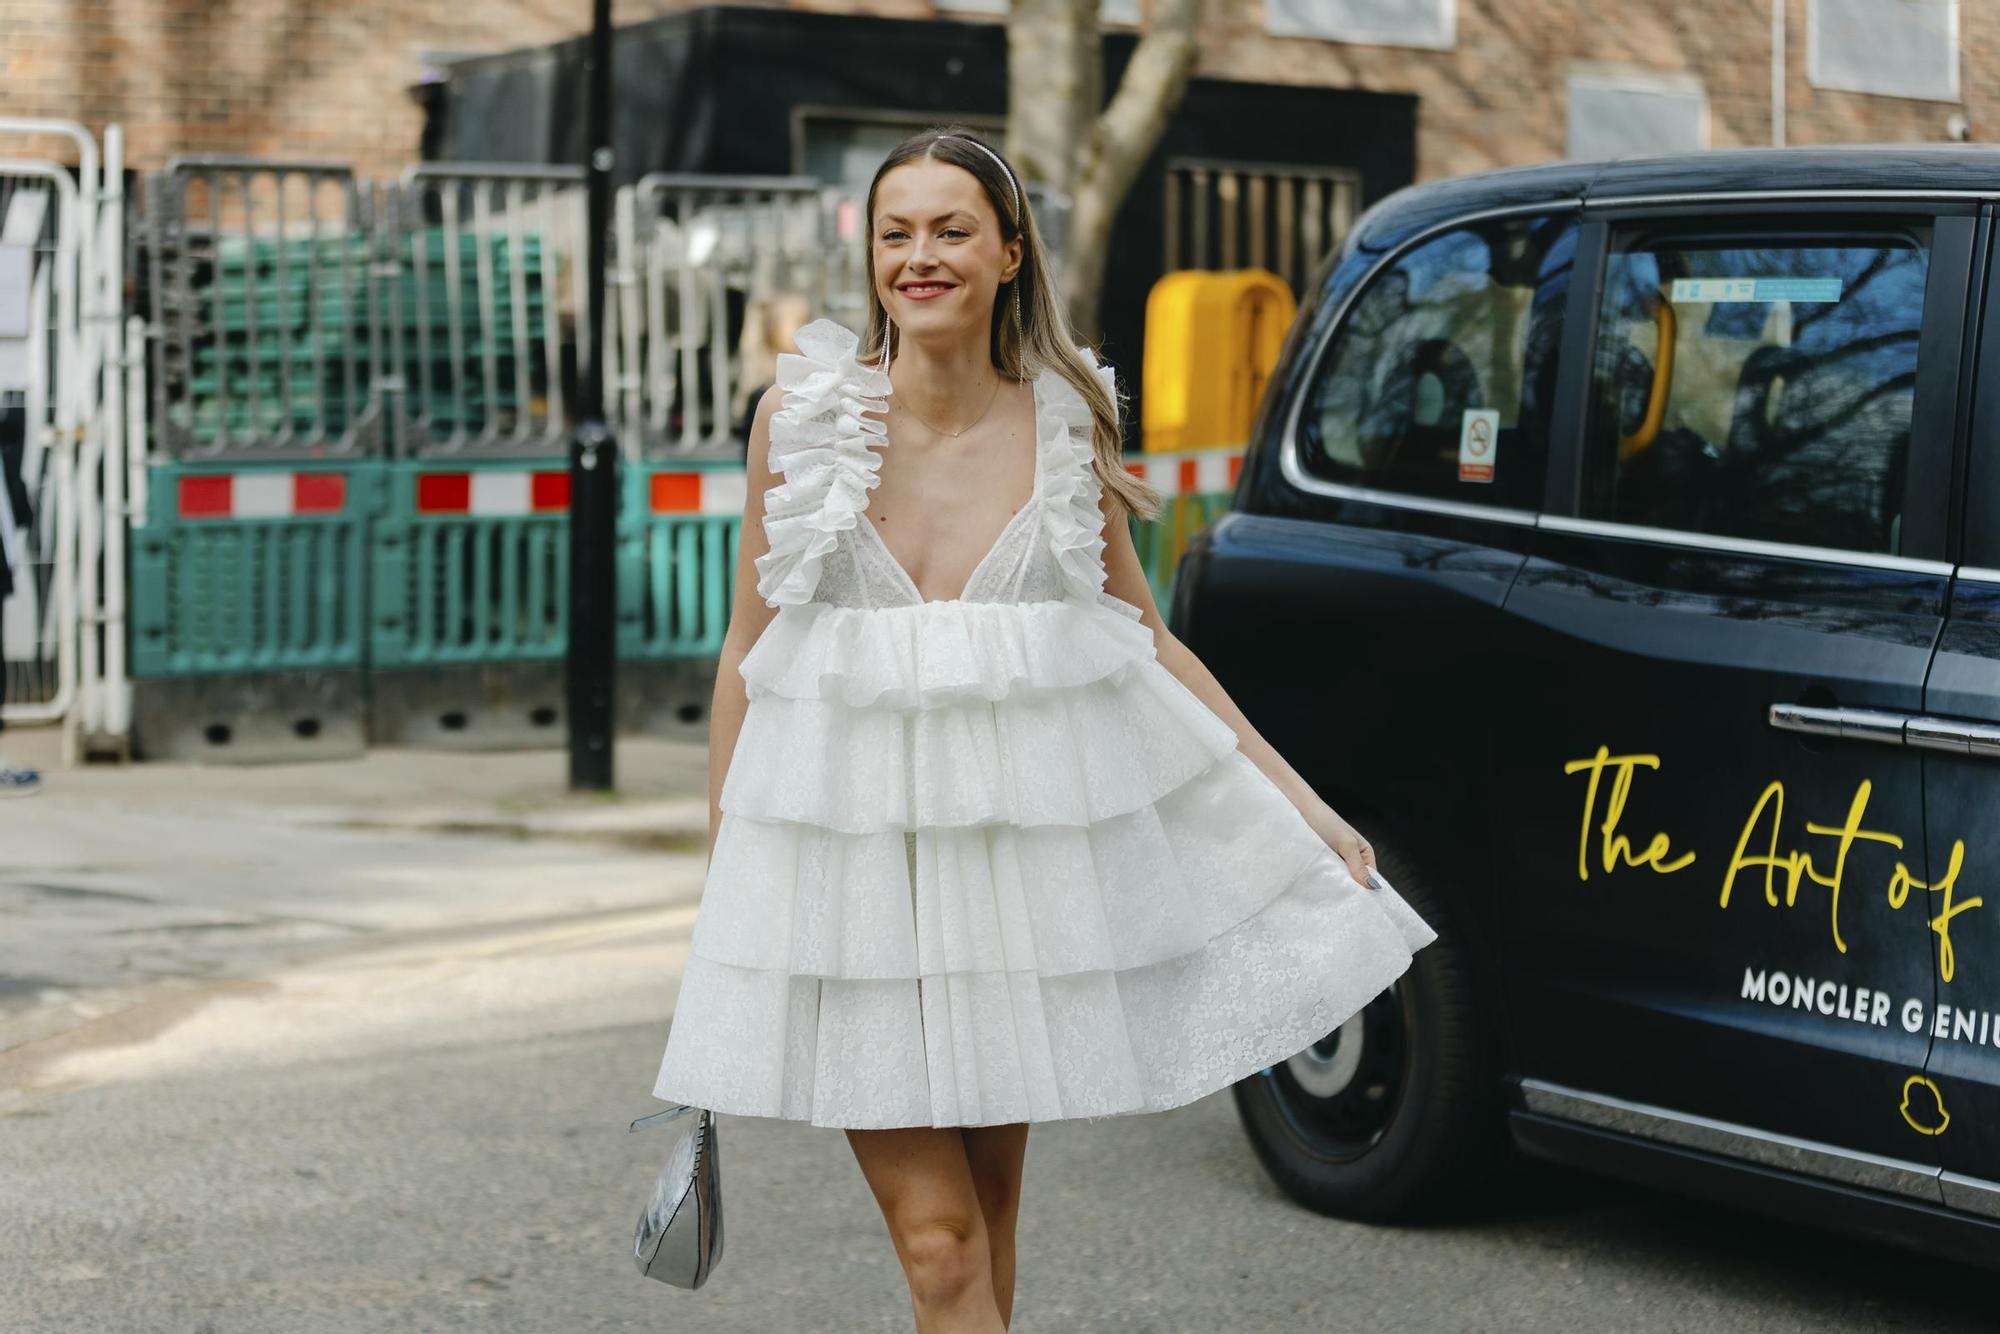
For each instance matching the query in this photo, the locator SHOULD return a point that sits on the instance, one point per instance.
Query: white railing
(82, 457)
(711, 275)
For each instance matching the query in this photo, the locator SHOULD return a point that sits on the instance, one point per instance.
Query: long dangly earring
(1020, 330)
(886, 328)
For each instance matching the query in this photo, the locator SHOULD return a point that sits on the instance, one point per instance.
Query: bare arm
(748, 612)
(1126, 579)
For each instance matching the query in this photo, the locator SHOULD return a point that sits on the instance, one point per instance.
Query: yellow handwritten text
(1902, 882)
(1798, 865)
(1614, 848)
(1758, 847)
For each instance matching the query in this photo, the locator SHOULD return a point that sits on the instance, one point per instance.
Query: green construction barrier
(453, 586)
(380, 564)
(1161, 543)
(680, 531)
(252, 567)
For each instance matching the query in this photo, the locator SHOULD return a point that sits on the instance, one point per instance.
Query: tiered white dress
(985, 859)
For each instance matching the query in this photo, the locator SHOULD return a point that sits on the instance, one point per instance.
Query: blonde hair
(1030, 327)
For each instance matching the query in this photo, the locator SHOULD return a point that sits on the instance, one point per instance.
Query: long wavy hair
(1042, 337)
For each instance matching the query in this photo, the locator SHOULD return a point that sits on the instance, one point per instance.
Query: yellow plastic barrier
(1212, 338)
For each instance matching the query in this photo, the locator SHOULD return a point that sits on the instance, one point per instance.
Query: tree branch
(1154, 82)
(1118, 145)
(1057, 40)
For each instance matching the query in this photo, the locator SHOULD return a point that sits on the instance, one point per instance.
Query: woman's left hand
(1344, 839)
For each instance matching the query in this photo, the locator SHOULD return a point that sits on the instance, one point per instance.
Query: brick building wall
(332, 78)
(1498, 97)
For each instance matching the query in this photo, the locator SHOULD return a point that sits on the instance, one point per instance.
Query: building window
(1897, 48)
(1427, 23)
(1615, 113)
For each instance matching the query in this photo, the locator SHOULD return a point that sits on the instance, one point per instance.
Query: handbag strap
(661, 1118)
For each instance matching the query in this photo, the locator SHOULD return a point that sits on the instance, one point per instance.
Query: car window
(1438, 381)
(1757, 386)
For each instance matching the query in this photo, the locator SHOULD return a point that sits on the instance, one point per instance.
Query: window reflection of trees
(1785, 420)
(1470, 319)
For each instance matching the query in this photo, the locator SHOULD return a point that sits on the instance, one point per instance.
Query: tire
(1398, 1115)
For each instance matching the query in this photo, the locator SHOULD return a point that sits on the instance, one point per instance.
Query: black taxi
(1618, 545)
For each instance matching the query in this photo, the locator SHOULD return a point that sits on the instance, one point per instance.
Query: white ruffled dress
(985, 859)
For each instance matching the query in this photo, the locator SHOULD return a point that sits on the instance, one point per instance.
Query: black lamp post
(591, 677)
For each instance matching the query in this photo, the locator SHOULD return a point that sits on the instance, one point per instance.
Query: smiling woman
(1000, 855)
(955, 260)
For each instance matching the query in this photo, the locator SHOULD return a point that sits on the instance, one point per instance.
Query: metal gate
(63, 377)
(352, 525)
(714, 274)
(1233, 215)
(482, 291)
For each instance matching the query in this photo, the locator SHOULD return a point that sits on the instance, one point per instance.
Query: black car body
(1619, 546)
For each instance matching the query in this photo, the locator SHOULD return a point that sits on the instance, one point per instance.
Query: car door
(1957, 1101)
(1734, 592)
(1413, 453)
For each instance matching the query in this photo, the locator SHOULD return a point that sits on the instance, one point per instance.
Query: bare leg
(996, 1155)
(923, 1185)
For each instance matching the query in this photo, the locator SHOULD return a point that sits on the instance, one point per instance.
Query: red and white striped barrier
(262, 495)
(493, 495)
(1189, 472)
(546, 491)
(709, 491)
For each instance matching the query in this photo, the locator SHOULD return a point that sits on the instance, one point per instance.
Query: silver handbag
(679, 1239)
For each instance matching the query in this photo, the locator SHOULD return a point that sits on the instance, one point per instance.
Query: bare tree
(1056, 135)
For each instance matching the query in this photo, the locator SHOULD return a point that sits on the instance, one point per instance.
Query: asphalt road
(420, 1125)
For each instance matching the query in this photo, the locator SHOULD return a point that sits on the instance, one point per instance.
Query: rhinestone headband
(1004, 170)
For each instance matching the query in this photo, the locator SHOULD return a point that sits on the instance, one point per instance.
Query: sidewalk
(661, 800)
(135, 895)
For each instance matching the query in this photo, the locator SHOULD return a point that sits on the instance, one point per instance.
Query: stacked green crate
(448, 381)
(281, 339)
(307, 366)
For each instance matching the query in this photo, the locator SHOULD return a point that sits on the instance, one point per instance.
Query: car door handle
(1894, 729)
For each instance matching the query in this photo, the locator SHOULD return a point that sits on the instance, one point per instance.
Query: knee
(946, 1257)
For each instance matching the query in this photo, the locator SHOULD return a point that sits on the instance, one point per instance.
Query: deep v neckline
(999, 539)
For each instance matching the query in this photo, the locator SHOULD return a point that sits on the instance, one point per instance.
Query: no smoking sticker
(1478, 444)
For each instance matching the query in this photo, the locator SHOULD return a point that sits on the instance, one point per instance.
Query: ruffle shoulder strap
(820, 441)
(1073, 492)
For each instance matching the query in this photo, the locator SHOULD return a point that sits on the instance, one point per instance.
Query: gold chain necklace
(990, 400)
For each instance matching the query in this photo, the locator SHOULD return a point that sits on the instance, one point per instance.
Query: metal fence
(482, 290)
(333, 419)
(264, 326)
(1233, 215)
(39, 245)
(713, 275)
(63, 381)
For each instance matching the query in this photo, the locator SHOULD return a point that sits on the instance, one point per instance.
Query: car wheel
(1397, 1114)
